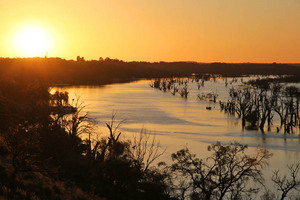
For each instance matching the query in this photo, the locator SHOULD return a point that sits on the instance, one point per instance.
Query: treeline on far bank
(105, 71)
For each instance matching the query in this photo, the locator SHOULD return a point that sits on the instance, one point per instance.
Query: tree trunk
(262, 124)
(243, 121)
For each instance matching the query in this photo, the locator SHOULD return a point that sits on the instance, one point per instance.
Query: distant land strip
(58, 71)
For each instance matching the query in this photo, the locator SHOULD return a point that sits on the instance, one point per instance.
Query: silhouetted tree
(286, 184)
(146, 149)
(223, 174)
(242, 101)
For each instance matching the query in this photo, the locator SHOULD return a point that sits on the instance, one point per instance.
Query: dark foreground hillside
(61, 71)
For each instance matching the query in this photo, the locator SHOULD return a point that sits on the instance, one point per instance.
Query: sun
(32, 41)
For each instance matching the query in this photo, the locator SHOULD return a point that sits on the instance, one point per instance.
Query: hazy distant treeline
(103, 71)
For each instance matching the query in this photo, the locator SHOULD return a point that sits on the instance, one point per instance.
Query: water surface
(179, 122)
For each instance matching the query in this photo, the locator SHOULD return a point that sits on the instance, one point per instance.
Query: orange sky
(156, 30)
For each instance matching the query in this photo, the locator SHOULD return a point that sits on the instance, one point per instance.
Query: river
(177, 122)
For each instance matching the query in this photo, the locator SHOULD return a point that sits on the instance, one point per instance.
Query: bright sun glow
(32, 41)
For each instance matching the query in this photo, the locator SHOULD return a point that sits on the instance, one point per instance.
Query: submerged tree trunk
(243, 121)
(262, 123)
(269, 120)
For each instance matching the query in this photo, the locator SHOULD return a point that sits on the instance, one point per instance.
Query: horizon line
(120, 60)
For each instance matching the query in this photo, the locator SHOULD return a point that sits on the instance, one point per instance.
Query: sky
(257, 31)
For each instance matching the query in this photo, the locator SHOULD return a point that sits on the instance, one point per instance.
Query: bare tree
(146, 149)
(243, 102)
(110, 146)
(174, 89)
(265, 104)
(225, 173)
(184, 91)
(78, 122)
(286, 184)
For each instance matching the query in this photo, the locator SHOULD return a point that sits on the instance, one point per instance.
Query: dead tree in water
(242, 101)
(184, 91)
(264, 106)
(292, 97)
(174, 90)
(287, 108)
